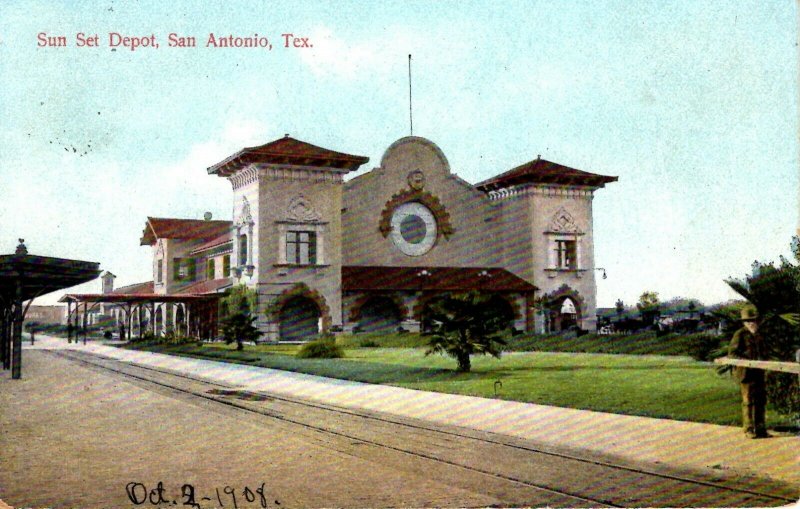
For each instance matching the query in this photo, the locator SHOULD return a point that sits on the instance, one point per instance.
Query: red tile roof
(220, 240)
(432, 278)
(143, 292)
(287, 150)
(138, 288)
(184, 229)
(540, 171)
(137, 298)
(205, 287)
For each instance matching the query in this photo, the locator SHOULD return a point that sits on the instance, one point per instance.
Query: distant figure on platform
(747, 343)
(121, 331)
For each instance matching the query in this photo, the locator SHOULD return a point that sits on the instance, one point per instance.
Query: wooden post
(9, 335)
(153, 317)
(530, 313)
(85, 322)
(2, 335)
(797, 360)
(187, 319)
(69, 321)
(16, 361)
(5, 336)
(129, 321)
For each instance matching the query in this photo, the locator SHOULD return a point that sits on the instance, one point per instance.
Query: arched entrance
(564, 314)
(299, 319)
(379, 314)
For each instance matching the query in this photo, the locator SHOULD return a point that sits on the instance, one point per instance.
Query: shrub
(701, 346)
(147, 337)
(323, 348)
(642, 343)
(173, 338)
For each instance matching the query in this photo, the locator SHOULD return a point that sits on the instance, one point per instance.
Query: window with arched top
(243, 249)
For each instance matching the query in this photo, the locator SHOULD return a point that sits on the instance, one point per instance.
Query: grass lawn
(647, 385)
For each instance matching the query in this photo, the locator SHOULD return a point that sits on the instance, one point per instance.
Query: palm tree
(239, 327)
(466, 324)
(237, 307)
(774, 289)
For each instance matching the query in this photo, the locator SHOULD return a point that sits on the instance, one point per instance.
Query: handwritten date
(138, 494)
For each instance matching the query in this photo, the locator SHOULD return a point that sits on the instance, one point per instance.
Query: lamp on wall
(604, 272)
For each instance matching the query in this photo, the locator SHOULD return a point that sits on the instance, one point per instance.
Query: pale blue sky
(692, 104)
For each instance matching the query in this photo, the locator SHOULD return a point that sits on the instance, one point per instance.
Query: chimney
(108, 282)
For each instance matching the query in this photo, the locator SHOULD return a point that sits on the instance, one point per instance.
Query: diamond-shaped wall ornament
(301, 211)
(563, 222)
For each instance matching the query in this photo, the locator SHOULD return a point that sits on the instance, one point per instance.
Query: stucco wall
(474, 218)
(246, 203)
(316, 195)
(547, 202)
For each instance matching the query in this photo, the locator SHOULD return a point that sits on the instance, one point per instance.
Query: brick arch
(301, 290)
(563, 292)
(355, 309)
(444, 226)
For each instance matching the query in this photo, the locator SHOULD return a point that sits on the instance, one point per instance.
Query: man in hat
(747, 343)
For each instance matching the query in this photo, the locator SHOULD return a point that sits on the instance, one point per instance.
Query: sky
(693, 105)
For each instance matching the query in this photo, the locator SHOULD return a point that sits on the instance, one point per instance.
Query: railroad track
(596, 481)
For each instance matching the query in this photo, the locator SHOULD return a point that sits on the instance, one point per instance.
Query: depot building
(371, 253)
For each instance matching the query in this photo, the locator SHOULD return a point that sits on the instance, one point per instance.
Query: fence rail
(786, 367)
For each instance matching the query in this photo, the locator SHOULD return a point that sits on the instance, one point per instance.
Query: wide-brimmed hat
(749, 313)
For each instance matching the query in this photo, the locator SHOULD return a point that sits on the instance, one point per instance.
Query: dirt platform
(73, 437)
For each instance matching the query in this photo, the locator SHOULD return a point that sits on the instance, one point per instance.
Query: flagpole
(410, 114)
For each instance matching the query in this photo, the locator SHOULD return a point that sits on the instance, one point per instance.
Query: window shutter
(312, 248)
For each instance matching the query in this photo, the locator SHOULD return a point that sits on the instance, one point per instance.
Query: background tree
(774, 289)
(238, 309)
(649, 307)
(466, 324)
(620, 307)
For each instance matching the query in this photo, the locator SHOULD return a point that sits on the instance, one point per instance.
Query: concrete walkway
(642, 439)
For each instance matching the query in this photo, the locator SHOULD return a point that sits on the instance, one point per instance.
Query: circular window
(413, 228)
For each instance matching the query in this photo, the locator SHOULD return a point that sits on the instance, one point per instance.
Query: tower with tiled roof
(287, 230)
(548, 236)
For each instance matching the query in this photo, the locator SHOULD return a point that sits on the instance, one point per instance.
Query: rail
(786, 367)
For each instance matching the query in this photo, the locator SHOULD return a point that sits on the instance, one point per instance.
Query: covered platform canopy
(23, 277)
(199, 302)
